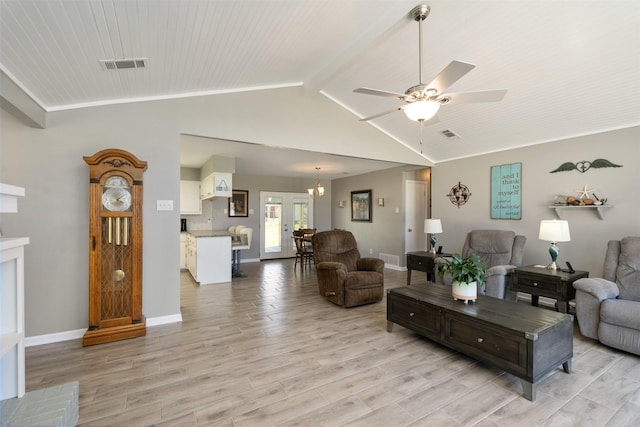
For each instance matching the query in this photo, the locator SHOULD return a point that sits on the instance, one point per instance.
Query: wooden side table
(422, 261)
(540, 281)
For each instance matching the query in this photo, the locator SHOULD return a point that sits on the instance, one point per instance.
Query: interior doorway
(415, 213)
(280, 214)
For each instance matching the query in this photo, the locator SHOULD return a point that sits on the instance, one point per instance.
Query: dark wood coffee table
(528, 342)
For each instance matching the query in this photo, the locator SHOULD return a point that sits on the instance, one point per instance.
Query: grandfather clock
(115, 247)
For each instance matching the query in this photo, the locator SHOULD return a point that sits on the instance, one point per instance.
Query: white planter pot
(464, 291)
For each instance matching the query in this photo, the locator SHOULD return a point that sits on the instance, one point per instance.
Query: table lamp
(433, 227)
(554, 231)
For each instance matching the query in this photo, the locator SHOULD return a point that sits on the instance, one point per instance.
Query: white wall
(54, 214)
(589, 234)
(385, 233)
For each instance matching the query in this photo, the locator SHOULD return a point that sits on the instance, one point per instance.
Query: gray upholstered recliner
(344, 278)
(502, 250)
(608, 308)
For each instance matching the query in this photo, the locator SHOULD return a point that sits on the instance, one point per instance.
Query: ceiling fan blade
(366, 119)
(369, 91)
(451, 74)
(479, 96)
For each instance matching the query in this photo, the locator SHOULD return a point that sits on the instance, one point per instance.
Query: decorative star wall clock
(459, 194)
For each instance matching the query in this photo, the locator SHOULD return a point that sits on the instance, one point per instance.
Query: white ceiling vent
(123, 64)
(449, 134)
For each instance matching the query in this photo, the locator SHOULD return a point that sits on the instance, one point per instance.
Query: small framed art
(361, 205)
(239, 203)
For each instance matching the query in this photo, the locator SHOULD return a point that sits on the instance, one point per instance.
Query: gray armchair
(608, 308)
(344, 278)
(502, 251)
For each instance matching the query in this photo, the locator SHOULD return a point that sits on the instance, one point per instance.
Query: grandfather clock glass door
(115, 247)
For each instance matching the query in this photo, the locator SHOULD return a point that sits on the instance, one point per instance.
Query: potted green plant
(466, 273)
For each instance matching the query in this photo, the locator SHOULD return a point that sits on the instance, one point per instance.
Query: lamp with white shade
(433, 227)
(554, 231)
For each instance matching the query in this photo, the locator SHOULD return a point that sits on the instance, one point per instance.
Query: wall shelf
(598, 209)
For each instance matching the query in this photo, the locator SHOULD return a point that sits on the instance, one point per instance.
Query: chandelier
(318, 190)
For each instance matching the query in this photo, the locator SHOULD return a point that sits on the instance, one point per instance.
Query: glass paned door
(281, 213)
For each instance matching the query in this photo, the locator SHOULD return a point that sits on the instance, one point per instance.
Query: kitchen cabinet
(218, 184)
(209, 256)
(190, 203)
(183, 251)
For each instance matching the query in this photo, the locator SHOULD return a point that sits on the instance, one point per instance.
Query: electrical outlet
(164, 205)
(370, 251)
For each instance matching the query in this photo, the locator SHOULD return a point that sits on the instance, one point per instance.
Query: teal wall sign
(506, 191)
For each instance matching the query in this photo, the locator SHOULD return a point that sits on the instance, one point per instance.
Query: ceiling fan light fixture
(421, 110)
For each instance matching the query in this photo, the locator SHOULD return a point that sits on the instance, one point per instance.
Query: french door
(280, 214)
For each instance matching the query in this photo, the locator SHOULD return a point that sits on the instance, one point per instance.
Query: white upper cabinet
(190, 203)
(218, 184)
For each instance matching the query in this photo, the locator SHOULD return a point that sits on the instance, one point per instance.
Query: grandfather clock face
(116, 255)
(116, 194)
(115, 247)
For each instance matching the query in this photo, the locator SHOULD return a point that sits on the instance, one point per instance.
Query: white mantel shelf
(9, 197)
(599, 209)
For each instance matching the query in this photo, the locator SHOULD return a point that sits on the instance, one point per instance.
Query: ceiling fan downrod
(419, 14)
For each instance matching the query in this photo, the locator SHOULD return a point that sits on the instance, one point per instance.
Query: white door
(414, 216)
(280, 214)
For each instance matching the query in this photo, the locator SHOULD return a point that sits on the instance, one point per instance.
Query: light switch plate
(164, 205)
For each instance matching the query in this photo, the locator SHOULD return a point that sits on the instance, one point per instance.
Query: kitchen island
(209, 256)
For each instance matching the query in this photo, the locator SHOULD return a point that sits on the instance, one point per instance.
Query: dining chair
(304, 251)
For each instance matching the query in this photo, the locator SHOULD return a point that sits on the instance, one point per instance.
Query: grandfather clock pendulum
(115, 247)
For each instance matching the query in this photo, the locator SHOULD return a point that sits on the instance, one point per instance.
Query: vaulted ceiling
(571, 67)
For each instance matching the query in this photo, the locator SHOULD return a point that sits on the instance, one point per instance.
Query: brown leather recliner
(344, 278)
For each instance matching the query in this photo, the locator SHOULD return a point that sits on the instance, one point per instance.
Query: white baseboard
(56, 337)
(395, 267)
(163, 320)
(78, 333)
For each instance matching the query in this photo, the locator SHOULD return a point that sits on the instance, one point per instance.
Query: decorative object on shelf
(584, 193)
(318, 190)
(466, 273)
(584, 165)
(115, 249)
(239, 203)
(554, 231)
(506, 197)
(459, 194)
(361, 205)
(433, 227)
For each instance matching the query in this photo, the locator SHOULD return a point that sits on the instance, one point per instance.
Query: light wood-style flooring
(268, 350)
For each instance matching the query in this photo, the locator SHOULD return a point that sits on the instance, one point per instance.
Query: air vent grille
(123, 64)
(449, 134)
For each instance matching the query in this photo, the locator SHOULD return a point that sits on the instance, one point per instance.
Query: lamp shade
(433, 226)
(554, 231)
(421, 110)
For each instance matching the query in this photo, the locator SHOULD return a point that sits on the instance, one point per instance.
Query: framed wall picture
(506, 191)
(361, 205)
(239, 203)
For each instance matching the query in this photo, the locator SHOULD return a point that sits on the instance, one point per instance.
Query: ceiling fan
(424, 100)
